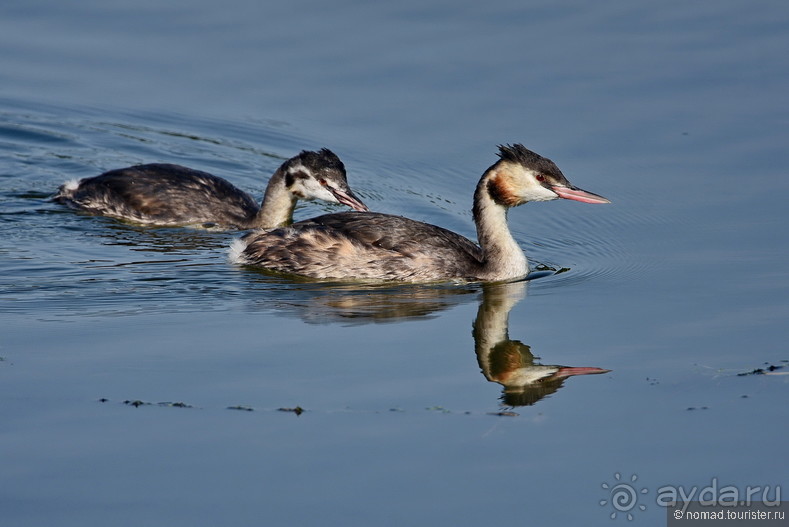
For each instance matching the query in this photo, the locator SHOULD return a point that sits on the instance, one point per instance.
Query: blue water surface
(145, 380)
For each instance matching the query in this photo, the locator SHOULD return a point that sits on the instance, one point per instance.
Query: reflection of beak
(348, 198)
(577, 194)
(569, 372)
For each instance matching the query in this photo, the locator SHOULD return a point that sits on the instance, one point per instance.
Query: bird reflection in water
(511, 362)
(502, 360)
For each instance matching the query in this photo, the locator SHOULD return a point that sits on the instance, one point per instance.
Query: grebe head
(522, 175)
(320, 175)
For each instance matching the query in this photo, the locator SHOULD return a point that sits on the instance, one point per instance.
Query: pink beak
(569, 372)
(348, 198)
(577, 194)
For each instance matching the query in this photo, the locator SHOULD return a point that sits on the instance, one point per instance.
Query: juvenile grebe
(376, 246)
(170, 195)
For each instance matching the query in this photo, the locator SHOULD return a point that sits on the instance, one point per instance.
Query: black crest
(518, 153)
(324, 159)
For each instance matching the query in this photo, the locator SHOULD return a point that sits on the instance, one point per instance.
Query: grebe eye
(540, 178)
(323, 182)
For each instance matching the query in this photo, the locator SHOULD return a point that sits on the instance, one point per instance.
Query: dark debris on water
(165, 404)
(137, 403)
(298, 410)
(763, 371)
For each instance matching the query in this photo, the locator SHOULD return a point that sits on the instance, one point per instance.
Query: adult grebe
(171, 195)
(376, 246)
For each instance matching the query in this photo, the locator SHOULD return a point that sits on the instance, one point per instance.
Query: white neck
(503, 259)
(278, 205)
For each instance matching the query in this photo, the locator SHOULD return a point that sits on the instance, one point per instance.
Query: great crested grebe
(375, 246)
(173, 195)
